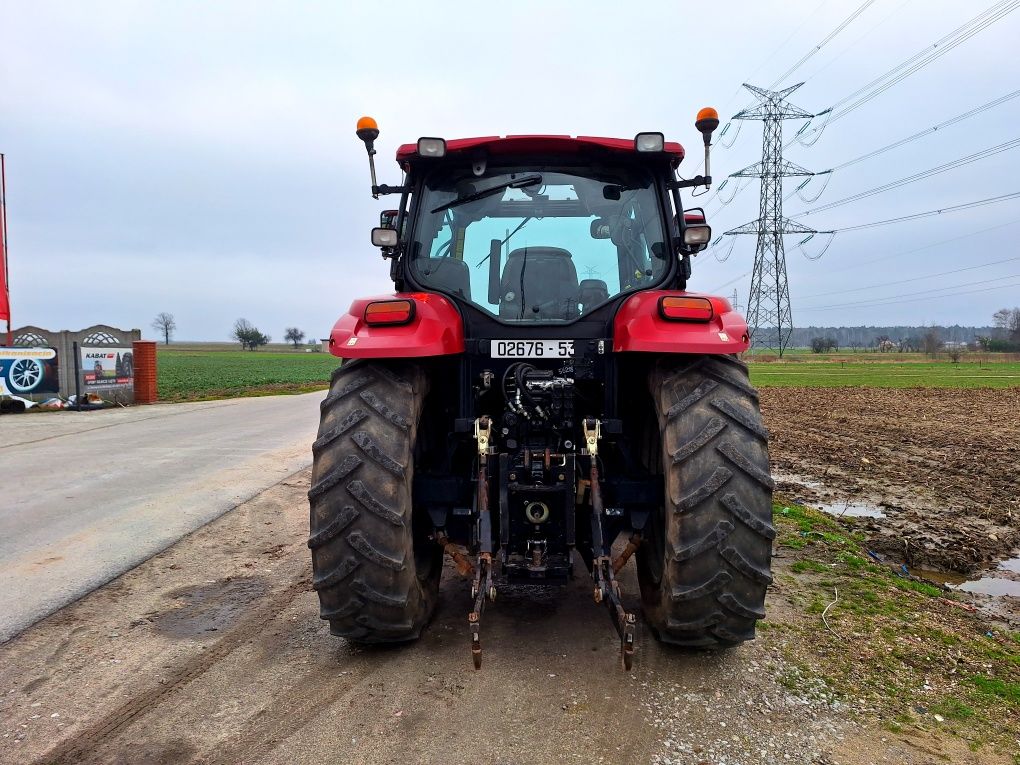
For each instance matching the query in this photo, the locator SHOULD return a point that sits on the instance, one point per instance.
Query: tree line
(1002, 335)
(244, 332)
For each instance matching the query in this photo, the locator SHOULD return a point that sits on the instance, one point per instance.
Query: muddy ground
(213, 652)
(941, 464)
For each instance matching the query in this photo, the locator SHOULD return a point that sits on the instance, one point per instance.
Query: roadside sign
(107, 367)
(28, 370)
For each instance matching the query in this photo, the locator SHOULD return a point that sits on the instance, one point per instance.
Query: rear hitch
(607, 589)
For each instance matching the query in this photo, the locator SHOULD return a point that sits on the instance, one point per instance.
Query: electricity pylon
(768, 306)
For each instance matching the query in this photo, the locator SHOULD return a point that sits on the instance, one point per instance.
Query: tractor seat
(545, 278)
(591, 293)
(447, 274)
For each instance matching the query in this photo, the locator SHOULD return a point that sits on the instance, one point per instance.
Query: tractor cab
(542, 229)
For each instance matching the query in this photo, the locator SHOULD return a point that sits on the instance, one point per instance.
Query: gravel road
(212, 651)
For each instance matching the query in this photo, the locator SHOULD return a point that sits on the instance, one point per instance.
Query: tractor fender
(639, 326)
(436, 329)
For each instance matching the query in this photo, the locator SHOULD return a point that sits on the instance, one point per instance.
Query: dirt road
(212, 652)
(98, 492)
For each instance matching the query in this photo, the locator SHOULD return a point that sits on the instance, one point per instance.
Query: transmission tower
(768, 305)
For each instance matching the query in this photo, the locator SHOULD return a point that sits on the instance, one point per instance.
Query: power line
(828, 38)
(920, 292)
(875, 152)
(929, 213)
(895, 300)
(839, 28)
(856, 42)
(984, 153)
(731, 281)
(901, 142)
(784, 43)
(912, 279)
(932, 129)
(970, 235)
(912, 65)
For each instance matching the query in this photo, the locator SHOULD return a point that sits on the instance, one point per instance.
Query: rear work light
(676, 308)
(431, 147)
(384, 313)
(649, 142)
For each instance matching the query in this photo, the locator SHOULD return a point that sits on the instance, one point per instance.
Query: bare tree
(1008, 321)
(242, 331)
(294, 335)
(248, 335)
(955, 354)
(931, 342)
(165, 324)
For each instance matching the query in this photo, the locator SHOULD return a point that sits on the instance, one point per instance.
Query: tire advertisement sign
(28, 370)
(107, 367)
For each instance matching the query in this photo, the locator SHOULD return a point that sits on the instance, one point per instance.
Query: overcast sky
(200, 158)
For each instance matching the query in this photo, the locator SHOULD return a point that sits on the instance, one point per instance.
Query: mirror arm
(385, 189)
(698, 180)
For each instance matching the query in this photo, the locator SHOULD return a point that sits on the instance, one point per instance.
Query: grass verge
(890, 646)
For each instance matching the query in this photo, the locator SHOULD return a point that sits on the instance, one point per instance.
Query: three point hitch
(604, 568)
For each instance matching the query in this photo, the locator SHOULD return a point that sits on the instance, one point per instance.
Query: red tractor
(541, 383)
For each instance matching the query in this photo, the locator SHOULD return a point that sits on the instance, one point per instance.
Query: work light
(697, 233)
(431, 147)
(649, 142)
(384, 237)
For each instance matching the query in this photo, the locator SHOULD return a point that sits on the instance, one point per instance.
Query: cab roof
(538, 144)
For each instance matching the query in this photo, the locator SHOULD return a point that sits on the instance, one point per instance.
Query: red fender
(435, 330)
(639, 327)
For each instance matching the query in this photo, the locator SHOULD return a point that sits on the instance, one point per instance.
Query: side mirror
(600, 229)
(384, 237)
(388, 219)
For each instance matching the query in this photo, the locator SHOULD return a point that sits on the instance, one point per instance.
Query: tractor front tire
(376, 573)
(704, 566)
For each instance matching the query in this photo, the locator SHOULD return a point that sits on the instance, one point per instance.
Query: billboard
(107, 367)
(28, 370)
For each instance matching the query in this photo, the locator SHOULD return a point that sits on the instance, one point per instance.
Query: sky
(200, 158)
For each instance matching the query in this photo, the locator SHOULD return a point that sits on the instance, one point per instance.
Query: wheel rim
(25, 374)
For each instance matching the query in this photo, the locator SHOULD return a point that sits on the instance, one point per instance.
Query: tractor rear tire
(705, 562)
(376, 573)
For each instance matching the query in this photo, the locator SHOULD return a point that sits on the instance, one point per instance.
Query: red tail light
(389, 312)
(675, 308)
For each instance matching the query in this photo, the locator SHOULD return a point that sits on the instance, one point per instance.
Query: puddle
(840, 508)
(991, 583)
(850, 509)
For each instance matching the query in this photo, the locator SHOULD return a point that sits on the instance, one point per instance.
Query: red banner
(5, 300)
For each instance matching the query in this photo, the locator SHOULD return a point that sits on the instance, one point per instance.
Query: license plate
(532, 349)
